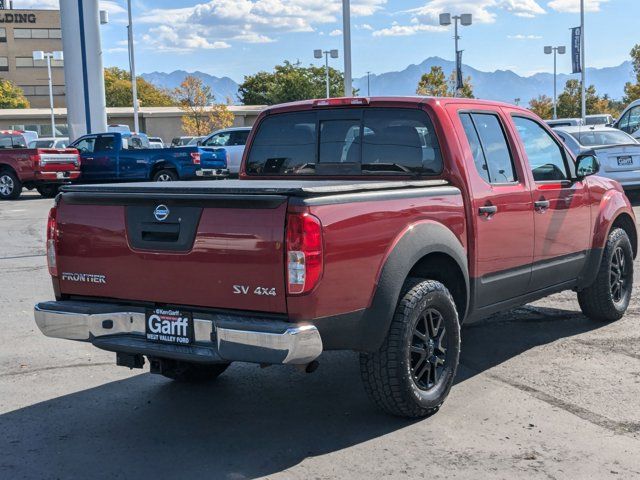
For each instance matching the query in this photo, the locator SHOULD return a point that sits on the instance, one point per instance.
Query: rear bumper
(219, 338)
(212, 172)
(55, 177)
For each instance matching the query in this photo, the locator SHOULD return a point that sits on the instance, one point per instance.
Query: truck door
(105, 158)
(501, 205)
(133, 159)
(86, 146)
(561, 205)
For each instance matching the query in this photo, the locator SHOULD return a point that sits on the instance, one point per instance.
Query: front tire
(10, 186)
(193, 372)
(608, 297)
(48, 190)
(165, 175)
(412, 372)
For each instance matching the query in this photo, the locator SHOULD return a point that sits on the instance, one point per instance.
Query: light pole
(583, 66)
(465, 20)
(132, 69)
(318, 54)
(346, 34)
(368, 84)
(561, 50)
(39, 55)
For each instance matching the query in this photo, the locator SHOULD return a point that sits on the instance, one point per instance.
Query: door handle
(487, 211)
(542, 205)
(88, 158)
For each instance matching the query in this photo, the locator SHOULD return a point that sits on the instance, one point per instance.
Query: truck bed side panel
(359, 235)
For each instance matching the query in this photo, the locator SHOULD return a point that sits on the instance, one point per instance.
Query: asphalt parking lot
(542, 392)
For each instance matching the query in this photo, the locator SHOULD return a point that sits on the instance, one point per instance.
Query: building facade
(21, 33)
(164, 122)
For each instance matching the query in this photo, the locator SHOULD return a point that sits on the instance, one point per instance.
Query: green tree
(542, 106)
(201, 114)
(436, 84)
(570, 100)
(12, 96)
(289, 82)
(117, 86)
(631, 89)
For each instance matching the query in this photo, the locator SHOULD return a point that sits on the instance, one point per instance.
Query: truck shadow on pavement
(249, 423)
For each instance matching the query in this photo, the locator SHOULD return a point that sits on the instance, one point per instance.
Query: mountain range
(503, 85)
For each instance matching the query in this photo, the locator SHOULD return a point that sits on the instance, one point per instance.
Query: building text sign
(17, 17)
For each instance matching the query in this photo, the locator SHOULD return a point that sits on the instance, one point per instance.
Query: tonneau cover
(297, 188)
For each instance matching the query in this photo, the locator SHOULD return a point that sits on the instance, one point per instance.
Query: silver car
(617, 151)
(233, 140)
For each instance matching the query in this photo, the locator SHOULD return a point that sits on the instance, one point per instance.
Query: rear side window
(104, 143)
(86, 145)
(354, 141)
(10, 140)
(239, 137)
(488, 143)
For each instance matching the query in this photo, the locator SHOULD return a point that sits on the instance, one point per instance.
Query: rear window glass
(592, 138)
(354, 141)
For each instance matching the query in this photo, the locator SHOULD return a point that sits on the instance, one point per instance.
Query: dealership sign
(576, 50)
(17, 18)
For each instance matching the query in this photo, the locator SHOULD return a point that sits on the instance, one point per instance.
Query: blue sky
(239, 37)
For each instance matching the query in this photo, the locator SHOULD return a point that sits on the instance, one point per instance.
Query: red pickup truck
(44, 169)
(376, 225)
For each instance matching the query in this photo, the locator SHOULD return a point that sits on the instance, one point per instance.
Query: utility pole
(584, 63)
(346, 33)
(132, 70)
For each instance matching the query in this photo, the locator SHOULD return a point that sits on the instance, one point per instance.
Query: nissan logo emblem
(161, 213)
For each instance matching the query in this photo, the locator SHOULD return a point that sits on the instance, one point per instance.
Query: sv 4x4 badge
(261, 291)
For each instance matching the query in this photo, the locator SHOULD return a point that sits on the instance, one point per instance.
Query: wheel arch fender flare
(161, 164)
(412, 245)
(614, 210)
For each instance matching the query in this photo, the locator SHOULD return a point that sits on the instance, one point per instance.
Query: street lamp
(465, 19)
(318, 54)
(39, 55)
(561, 50)
(132, 69)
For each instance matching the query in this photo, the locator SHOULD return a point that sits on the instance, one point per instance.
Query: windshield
(346, 142)
(601, 120)
(593, 138)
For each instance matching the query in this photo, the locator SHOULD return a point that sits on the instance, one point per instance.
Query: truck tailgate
(201, 250)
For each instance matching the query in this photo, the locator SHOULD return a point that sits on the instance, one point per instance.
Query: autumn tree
(201, 114)
(12, 96)
(117, 86)
(542, 106)
(436, 84)
(290, 82)
(632, 89)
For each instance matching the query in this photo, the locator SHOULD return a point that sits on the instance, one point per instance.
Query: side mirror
(586, 165)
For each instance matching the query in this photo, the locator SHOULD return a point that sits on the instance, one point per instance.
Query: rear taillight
(195, 158)
(52, 242)
(304, 253)
(35, 160)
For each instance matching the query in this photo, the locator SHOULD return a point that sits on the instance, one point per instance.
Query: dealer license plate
(166, 325)
(625, 161)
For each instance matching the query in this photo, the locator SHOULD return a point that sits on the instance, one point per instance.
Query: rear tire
(10, 185)
(165, 175)
(193, 372)
(412, 372)
(48, 190)
(608, 297)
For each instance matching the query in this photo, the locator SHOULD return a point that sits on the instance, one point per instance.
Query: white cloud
(405, 30)
(364, 26)
(335, 33)
(251, 21)
(520, 36)
(426, 18)
(165, 38)
(573, 6)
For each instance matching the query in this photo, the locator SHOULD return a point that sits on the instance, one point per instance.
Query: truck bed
(294, 187)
